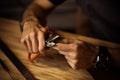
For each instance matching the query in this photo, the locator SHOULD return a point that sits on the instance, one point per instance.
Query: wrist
(29, 24)
(29, 19)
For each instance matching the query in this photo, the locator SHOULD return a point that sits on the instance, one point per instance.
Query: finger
(62, 52)
(72, 55)
(71, 64)
(63, 47)
(43, 29)
(34, 42)
(29, 45)
(74, 61)
(41, 41)
(25, 44)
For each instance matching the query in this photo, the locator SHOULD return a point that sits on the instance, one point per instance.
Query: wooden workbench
(47, 68)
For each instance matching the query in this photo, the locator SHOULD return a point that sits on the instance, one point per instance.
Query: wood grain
(53, 67)
(15, 74)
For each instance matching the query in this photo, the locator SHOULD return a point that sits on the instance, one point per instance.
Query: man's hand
(33, 36)
(33, 33)
(77, 53)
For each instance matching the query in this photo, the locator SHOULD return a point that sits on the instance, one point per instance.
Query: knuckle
(22, 40)
(75, 47)
(75, 62)
(74, 66)
(75, 56)
(72, 56)
(32, 34)
(82, 43)
(26, 37)
(66, 57)
(43, 30)
(41, 33)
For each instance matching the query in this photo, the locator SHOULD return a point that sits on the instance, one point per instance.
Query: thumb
(58, 46)
(63, 47)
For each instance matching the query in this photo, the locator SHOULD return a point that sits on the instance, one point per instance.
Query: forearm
(37, 12)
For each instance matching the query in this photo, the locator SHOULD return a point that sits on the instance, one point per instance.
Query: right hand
(78, 54)
(33, 37)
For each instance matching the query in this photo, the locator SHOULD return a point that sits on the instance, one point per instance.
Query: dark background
(62, 17)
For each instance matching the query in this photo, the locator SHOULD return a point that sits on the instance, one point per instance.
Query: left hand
(33, 37)
(77, 53)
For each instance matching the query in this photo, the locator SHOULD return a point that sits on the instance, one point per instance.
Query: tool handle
(32, 57)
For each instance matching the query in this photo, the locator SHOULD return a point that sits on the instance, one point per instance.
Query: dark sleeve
(56, 2)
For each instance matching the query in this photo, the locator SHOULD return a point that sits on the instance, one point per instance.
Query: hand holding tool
(93, 41)
(49, 43)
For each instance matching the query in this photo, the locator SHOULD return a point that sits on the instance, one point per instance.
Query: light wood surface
(13, 71)
(45, 68)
